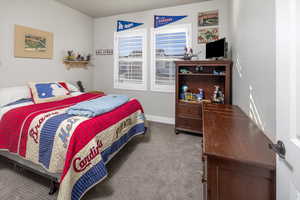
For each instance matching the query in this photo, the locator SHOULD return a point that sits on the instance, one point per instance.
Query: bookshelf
(204, 74)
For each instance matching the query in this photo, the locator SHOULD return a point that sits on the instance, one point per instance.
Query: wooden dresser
(238, 165)
(204, 74)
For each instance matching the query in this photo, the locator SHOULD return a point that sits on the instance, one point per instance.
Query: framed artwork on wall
(209, 18)
(33, 43)
(207, 35)
(208, 30)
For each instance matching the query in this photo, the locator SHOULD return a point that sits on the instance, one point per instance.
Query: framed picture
(210, 18)
(33, 43)
(208, 35)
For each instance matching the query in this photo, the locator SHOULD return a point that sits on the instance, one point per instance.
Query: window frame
(166, 29)
(130, 86)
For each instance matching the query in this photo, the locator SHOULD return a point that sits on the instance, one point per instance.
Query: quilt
(75, 146)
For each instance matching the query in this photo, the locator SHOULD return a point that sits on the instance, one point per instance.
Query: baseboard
(160, 119)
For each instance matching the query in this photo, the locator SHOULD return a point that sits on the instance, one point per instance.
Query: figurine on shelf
(189, 96)
(70, 56)
(78, 57)
(200, 96)
(218, 96)
(188, 53)
(184, 89)
(88, 57)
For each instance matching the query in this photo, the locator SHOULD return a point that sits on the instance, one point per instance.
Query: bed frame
(54, 178)
(34, 168)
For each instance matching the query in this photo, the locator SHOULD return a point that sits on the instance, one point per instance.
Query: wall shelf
(76, 64)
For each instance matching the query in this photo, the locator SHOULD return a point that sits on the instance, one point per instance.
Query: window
(130, 60)
(168, 45)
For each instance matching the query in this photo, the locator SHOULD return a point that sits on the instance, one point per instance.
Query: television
(216, 49)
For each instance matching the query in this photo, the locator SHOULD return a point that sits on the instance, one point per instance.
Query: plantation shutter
(130, 61)
(169, 45)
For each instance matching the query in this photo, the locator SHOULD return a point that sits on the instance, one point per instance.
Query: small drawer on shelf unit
(189, 110)
(190, 124)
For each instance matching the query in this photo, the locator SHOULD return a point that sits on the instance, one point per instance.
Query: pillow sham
(43, 92)
(11, 94)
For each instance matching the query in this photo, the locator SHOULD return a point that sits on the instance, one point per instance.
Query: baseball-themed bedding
(76, 146)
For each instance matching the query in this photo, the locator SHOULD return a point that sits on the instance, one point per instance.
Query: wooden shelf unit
(189, 114)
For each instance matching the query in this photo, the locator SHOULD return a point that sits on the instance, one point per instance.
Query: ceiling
(103, 8)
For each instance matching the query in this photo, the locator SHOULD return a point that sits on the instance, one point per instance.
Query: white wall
(72, 30)
(253, 33)
(154, 103)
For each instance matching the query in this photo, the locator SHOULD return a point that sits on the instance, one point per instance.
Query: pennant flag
(160, 20)
(124, 25)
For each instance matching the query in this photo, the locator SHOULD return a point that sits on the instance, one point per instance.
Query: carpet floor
(158, 166)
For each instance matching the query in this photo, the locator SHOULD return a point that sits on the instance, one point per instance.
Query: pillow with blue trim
(48, 91)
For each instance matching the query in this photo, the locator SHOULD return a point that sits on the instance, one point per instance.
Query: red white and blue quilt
(75, 146)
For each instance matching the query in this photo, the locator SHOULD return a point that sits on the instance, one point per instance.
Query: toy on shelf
(188, 53)
(215, 72)
(184, 89)
(185, 71)
(218, 96)
(200, 96)
(189, 96)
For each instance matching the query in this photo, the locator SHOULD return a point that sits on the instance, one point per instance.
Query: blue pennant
(160, 20)
(124, 25)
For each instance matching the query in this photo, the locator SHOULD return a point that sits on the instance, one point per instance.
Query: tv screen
(215, 49)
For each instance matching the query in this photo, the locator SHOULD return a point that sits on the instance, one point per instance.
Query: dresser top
(229, 133)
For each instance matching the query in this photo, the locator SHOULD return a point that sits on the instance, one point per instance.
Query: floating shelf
(76, 64)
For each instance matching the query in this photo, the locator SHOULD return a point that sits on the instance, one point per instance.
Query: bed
(68, 149)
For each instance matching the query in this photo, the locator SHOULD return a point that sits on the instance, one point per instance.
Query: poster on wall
(33, 43)
(207, 35)
(210, 18)
(125, 25)
(161, 20)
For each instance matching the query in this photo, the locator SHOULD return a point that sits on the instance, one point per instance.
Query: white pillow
(72, 88)
(11, 94)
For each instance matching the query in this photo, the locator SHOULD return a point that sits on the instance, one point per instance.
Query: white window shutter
(130, 60)
(168, 45)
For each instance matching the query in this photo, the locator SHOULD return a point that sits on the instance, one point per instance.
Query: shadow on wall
(254, 113)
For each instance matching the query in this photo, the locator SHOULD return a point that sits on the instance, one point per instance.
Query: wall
(154, 103)
(72, 30)
(253, 32)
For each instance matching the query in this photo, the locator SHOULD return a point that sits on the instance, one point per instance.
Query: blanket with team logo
(75, 146)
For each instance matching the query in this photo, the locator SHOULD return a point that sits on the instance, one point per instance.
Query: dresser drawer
(189, 110)
(194, 125)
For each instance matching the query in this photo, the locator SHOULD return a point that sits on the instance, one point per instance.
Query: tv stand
(201, 74)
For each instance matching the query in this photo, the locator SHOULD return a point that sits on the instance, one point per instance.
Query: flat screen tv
(216, 49)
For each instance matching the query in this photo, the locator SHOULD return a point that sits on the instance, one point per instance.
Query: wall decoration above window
(33, 43)
(125, 25)
(210, 18)
(207, 35)
(160, 20)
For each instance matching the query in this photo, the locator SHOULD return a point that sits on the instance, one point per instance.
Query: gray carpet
(159, 166)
